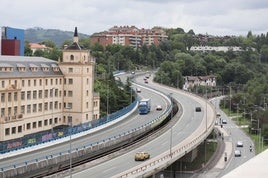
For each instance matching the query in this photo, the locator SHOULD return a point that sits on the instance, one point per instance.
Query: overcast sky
(216, 17)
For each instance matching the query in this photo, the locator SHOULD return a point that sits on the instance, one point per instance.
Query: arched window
(72, 57)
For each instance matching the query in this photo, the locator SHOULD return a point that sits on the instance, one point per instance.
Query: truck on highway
(144, 106)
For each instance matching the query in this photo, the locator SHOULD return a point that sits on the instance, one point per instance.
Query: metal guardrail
(56, 159)
(167, 158)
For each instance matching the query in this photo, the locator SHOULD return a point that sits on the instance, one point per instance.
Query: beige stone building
(38, 94)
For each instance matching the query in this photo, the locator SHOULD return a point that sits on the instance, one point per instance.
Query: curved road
(190, 126)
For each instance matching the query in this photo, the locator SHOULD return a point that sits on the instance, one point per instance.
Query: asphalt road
(189, 126)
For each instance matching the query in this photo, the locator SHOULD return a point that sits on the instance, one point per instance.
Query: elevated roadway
(191, 129)
(16, 159)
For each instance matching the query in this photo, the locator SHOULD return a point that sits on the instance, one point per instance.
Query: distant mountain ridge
(38, 34)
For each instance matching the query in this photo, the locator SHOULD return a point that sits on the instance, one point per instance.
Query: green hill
(37, 35)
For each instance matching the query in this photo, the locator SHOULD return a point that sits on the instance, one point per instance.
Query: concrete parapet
(42, 163)
(10, 173)
(22, 169)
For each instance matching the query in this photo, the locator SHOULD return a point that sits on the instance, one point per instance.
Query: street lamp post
(171, 116)
(52, 109)
(70, 141)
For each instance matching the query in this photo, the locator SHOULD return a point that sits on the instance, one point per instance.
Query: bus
(144, 106)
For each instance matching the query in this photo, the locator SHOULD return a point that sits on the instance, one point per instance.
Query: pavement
(214, 169)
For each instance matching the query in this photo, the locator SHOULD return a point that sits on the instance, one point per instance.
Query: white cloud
(214, 17)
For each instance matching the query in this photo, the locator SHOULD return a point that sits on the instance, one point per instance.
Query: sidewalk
(223, 159)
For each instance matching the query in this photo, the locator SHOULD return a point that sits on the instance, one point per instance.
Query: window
(45, 122)
(86, 104)
(46, 93)
(22, 83)
(34, 82)
(34, 125)
(23, 95)
(87, 81)
(19, 129)
(34, 94)
(15, 110)
(50, 122)
(46, 106)
(23, 109)
(9, 97)
(56, 120)
(28, 126)
(70, 81)
(46, 82)
(29, 83)
(40, 107)
(28, 108)
(40, 93)
(71, 70)
(51, 81)
(15, 96)
(72, 57)
(2, 111)
(34, 107)
(39, 123)
(28, 95)
(40, 82)
(2, 97)
(13, 130)
(51, 93)
(3, 84)
(50, 106)
(56, 104)
(7, 131)
(70, 93)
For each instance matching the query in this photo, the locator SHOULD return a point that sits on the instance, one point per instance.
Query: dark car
(198, 109)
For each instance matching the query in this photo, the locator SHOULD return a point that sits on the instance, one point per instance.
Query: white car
(158, 107)
(239, 144)
(237, 153)
(224, 121)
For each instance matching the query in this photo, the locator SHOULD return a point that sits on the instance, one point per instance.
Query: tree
(27, 49)
(264, 53)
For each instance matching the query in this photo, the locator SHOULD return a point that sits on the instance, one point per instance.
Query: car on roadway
(141, 156)
(145, 81)
(237, 153)
(239, 144)
(198, 109)
(224, 121)
(159, 108)
(138, 90)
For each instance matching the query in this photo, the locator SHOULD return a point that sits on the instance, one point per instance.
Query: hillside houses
(191, 81)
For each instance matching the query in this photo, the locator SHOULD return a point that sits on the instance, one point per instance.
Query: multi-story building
(191, 81)
(129, 36)
(39, 94)
(12, 40)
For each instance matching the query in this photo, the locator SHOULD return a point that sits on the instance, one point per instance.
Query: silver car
(239, 144)
(237, 153)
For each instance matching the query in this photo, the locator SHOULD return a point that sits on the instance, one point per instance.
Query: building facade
(12, 38)
(129, 36)
(39, 94)
(191, 81)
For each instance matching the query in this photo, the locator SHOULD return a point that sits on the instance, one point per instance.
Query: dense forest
(244, 74)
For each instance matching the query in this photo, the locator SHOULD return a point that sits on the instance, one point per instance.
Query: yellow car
(141, 156)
